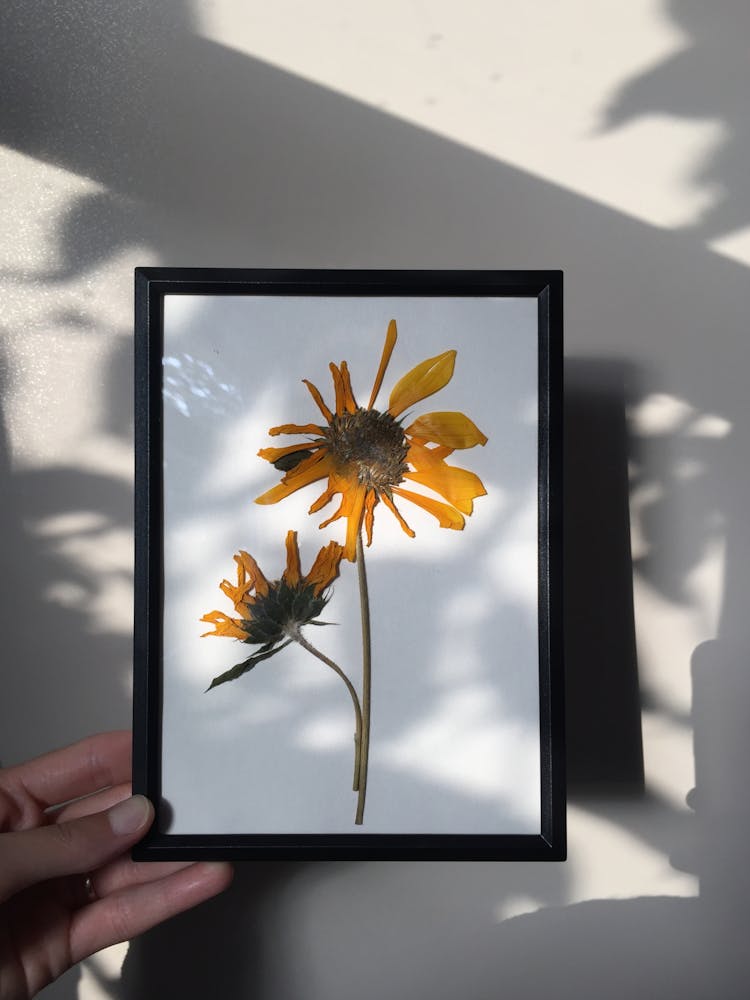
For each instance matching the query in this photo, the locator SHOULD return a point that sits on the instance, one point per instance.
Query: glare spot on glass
(192, 377)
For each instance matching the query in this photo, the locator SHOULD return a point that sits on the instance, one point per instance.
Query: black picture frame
(153, 285)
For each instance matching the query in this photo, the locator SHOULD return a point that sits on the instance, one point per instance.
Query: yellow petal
(370, 503)
(394, 510)
(390, 343)
(421, 457)
(274, 454)
(426, 378)
(291, 574)
(296, 429)
(239, 595)
(459, 486)
(336, 484)
(350, 402)
(224, 625)
(248, 570)
(354, 501)
(326, 566)
(454, 430)
(424, 456)
(335, 516)
(305, 473)
(353, 495)
(338, 386)
(319, 400)
(446, 516)
(325, 498)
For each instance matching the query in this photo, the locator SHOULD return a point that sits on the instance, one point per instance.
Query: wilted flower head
(271, 613)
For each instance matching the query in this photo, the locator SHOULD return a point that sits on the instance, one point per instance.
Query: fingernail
(130, 815)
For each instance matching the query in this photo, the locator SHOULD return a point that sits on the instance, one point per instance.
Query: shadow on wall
(706, 80)
(603, 724)
(211, 157)
(58, 522)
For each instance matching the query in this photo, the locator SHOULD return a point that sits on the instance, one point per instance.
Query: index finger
(86, 766)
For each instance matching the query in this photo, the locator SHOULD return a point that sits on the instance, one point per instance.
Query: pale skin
(49, 918)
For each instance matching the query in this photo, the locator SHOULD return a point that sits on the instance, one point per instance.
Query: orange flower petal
(305, 473)
(291, 574)
(325, 498)
(459, 486)
(224, 625)
(249, 566)
(392, 507)
(454, 430)
(319, 400)
(338, 386)
(349, 401)
(336, 516)
(354, 503)
(370, 503)
(239, 595)
(446, 516)
(296, 429)
(326, 566)
(390, 343)
(274, 454)
(336, 484)
(422, 457)
(426, 378)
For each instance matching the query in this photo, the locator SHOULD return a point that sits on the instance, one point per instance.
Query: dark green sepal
(242, 668)
(265, 630)
(288, 462)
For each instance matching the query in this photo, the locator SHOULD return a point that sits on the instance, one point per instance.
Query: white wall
(607, 139)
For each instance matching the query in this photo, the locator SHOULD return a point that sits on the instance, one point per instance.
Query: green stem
(364, 604)
(298, 637)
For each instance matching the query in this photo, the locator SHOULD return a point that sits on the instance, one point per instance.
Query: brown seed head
(372, 443)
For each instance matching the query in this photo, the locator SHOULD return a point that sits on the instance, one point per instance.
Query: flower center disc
(371, 442)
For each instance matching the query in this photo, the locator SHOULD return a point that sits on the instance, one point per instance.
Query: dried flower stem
(366, 680)
(298, 637)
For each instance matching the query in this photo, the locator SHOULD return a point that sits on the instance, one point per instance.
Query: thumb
(71, 847)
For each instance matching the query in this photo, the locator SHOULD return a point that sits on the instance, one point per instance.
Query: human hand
(67, 885)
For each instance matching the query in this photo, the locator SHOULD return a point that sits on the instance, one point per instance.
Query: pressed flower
(367, 454)
(271, 613)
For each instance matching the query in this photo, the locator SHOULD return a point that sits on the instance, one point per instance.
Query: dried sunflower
(366, 454)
